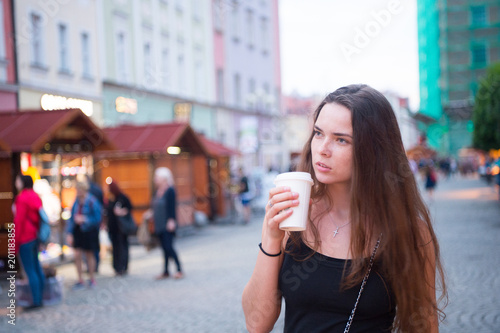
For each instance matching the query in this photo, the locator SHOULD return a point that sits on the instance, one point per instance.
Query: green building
(458, 40)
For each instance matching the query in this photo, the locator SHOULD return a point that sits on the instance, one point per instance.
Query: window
(63, 48)
(86, 71)
(478, 15)
(148, 73)
(252, 98)
(218, 12)
(267, 97)
(179, 17)
(264, 35)
(165, 67)
(250, 29)
(237, 90)
(36, 40)
(121, 62)
(181, 73)
(220, 86)
(197, 7)
(199, 79)
(479, 55)
(235, 21)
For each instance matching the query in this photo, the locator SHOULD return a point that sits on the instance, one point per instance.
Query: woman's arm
(261, 298)
(171, 207)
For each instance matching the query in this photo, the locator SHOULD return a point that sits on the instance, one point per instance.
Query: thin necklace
(338, 227)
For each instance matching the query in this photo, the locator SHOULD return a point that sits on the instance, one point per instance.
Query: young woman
(364, 203)
(27, 223)
(118, 205)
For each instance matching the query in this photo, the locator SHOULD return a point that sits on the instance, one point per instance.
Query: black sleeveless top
(314, 302)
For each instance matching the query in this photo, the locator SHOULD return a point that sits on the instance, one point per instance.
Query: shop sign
(126, 105)
(52, 102)
(182, 112)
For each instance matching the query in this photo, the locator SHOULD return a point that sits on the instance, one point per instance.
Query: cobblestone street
(218, 260)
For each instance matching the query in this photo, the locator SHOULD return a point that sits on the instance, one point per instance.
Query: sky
(326, 44)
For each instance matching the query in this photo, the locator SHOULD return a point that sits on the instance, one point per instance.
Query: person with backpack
(83, 232)
(27, 223)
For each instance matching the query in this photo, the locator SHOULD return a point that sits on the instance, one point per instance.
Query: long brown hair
(384, 200)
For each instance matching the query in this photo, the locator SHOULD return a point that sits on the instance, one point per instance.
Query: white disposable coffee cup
(301, 183)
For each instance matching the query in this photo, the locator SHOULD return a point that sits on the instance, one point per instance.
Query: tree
(486, 114)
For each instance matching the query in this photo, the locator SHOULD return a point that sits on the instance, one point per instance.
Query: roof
(70, 130)
(155, 138)
(217, 149)
(420, 151)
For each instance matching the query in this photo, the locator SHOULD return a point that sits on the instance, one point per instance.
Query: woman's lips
(322, 167)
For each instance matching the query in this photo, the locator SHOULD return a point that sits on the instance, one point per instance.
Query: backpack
(44, 229)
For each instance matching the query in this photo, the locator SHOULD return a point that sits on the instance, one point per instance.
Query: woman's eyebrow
(334, 133)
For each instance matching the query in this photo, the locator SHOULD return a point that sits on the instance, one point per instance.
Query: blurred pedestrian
(118, 205)
(27, 223)
(83, 232)
(164, 215)
(245, 195)
(430, 181)
(369, 256)
(96, 191)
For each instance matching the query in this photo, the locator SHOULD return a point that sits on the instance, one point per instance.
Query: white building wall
(174, 30)
(407, 125)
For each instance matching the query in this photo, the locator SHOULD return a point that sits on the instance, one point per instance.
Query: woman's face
(159, 181)
(332, 145)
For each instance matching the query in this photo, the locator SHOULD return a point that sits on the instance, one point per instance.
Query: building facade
(248, 79)
(56, 48)
(8, 82)
(157, 62)
(458, 40)
(405, 116)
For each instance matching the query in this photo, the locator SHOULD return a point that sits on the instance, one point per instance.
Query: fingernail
(295, 202)
(286, 188)
(295, 194)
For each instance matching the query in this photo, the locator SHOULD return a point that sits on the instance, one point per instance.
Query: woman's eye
(316, 133)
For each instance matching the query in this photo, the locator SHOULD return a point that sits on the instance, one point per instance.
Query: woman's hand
(120, 211)
(147, 214)
(69, 240)
(79, 219)
(170, 225)
(281, 199)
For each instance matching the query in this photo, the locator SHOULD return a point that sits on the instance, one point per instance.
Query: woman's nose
(324, 149)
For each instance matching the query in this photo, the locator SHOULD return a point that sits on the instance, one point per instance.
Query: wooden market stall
(142, 149)
(220, 178)
(44, 144)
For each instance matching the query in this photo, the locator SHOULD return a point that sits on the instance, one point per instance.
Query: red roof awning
(155, 138)
(217, 149)
(31, 131)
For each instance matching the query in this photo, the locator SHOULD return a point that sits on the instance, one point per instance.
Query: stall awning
(216, 149)
(152, 138)
(419, 151)
(58, 131)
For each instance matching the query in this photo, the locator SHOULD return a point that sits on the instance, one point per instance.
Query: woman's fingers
(279, 195)
(278, 189)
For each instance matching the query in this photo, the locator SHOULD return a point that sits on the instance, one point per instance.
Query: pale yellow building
(57, 56)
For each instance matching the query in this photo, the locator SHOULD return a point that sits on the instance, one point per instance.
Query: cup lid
(296, 175)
